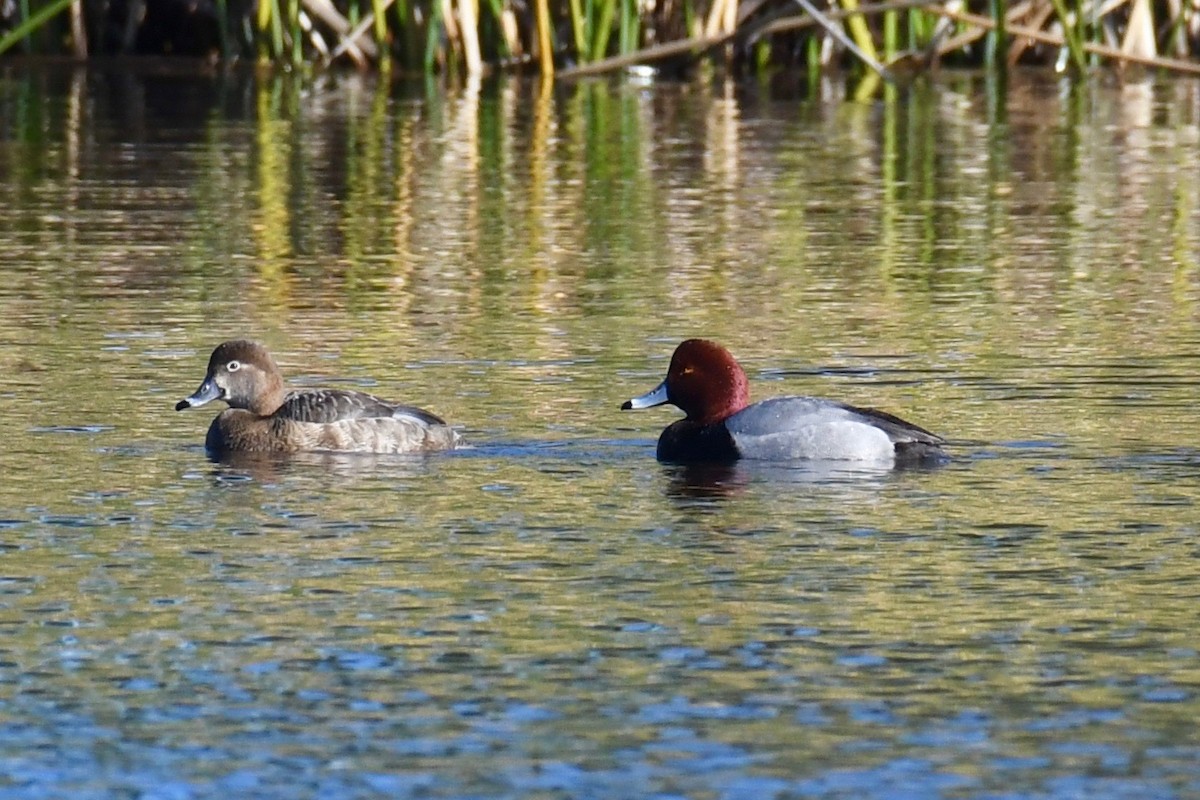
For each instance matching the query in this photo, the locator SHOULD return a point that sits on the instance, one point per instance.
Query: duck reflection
(274, 467)
(697, 481)
(725, 480)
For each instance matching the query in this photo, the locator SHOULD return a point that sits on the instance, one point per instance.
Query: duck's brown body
(265, 417)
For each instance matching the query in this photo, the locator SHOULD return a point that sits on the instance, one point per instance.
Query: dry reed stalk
(349, 40)
(545, 53)
(511, 31)
(78, 31)
(836, 32)
(1139, 31)
(469, 25)
(1173, 64)
(450, 23)
(325, 11)
(456, 31)
(1040, 14)
(715, 24)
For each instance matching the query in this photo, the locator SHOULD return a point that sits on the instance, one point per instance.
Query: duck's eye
(233, 366)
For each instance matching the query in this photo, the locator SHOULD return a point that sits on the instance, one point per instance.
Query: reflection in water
(553, 612)
(270, 467)
(724, 480)
(705, 480)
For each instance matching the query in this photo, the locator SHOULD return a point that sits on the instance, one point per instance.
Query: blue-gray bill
(655, 397)
(207, 392)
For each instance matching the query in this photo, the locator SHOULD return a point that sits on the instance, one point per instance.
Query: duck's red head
(703, 380)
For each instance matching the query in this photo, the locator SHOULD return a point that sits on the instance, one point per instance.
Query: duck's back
(357, 422)
(327, 406)
(785, 428)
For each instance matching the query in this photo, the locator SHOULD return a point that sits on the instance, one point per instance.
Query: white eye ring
(233, 366)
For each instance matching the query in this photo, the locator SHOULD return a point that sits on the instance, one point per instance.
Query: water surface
(551, 613)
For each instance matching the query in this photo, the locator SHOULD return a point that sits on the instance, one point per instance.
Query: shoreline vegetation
(577, 38)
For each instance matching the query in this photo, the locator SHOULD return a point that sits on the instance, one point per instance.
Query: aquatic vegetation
(578, 37)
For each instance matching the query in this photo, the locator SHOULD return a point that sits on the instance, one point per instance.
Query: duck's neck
(729, 394)
(267, 402)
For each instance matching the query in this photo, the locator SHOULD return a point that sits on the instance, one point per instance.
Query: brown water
(552, 613)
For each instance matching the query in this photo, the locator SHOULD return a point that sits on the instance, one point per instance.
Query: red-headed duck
(710, 387)
(263, 416)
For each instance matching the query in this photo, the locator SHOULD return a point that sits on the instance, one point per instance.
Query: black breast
(685, 442)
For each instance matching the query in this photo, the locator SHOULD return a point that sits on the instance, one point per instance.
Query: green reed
(442, 35)
(32, 23)
(1072, 32)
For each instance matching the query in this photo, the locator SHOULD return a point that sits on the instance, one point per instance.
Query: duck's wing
(402, 434)
(339, 405)
(812, 427)
(898, 430)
